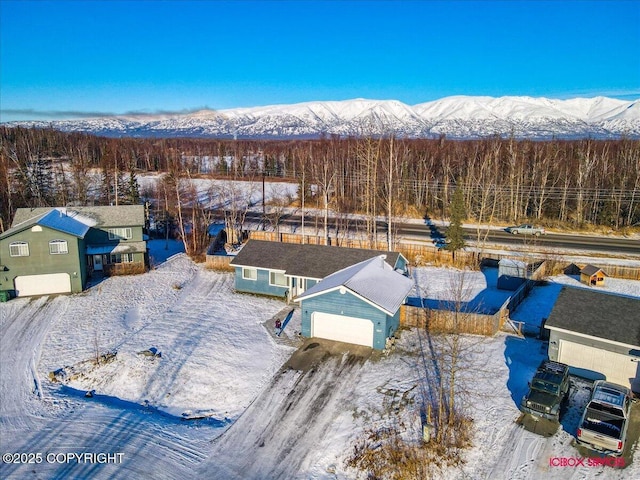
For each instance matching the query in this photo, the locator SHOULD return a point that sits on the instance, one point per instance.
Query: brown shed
(592, 275)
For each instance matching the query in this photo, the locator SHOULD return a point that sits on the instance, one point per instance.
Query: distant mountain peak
(455, 117)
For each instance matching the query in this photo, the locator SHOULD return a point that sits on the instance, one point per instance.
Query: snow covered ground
(215, 359)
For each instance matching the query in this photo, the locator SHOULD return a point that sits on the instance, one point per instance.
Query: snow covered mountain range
(455, 117)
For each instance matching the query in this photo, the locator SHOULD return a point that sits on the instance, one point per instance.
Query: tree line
(573, 182)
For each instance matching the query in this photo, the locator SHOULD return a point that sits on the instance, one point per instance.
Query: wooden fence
(443, 321)
(618, 271)
(219, 262)
(424, 253)
(130, 268)
(415, 253)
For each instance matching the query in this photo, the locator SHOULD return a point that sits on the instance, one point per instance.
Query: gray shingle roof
(311, 261)
(107, 216)
(373, 279)
(591, 270)
(597, 314)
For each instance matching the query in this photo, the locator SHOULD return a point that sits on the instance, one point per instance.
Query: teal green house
(345, 294)
(56, 250)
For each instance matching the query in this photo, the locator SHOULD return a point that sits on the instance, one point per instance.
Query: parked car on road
(441, 243)
(547, 391)
(605, 421)
(526, 229)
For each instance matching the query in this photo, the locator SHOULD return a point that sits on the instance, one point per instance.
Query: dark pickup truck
(604, 423)
(547, 391)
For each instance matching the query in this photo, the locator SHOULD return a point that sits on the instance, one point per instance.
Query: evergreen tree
(457, 213)
(133, 189)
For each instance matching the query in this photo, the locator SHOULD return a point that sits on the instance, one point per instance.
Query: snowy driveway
(278, 435)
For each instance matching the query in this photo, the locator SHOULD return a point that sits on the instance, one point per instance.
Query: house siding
(100, 235)
(259, 286)
(40, 261)
(401, 264)
(555, 337)
(349, 305)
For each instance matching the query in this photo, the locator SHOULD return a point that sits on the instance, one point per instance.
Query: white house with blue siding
(359, 304)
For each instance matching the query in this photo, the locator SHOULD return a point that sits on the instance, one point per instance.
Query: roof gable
(592, 270)
(54, 219)
(373, 280)
(596, 314)
(310, 261)
(99, 217)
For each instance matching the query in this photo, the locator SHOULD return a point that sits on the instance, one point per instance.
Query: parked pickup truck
(547, 391)
(526, 229)
(604, 423)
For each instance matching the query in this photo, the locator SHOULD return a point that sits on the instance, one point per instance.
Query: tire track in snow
(23, 331)
(517, 458)
(277, 433)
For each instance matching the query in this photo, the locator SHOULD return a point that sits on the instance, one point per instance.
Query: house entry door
(297, 286)
(97, 262)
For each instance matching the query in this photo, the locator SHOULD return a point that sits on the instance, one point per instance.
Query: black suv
(547, 391)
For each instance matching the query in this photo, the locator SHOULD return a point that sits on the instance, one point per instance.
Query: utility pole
(115, 177)
(264, 209)
(389, 195)
(303, 193)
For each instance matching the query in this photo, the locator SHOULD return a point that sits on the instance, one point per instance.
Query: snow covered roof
(55, 219)
(374, 280)
(508, 262)
(130, 247)
(104, 216)
(310, 261)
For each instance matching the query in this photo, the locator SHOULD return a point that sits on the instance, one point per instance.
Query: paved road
(424, 232)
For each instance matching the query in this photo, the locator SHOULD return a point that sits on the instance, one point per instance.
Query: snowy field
(187, 346)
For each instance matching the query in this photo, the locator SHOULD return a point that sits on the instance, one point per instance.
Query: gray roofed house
(373, 280)
(55, 250)
(309, 261)
(597, 334)
(346, 294)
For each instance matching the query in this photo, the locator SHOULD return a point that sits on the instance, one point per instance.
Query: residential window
(250, 274)
(277, 279)
(19, 249)
(120, 234)
(58, 247)
(121, 258)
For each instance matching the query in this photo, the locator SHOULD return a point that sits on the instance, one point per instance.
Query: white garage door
(342, 329)
(617, 368)
(42, 284)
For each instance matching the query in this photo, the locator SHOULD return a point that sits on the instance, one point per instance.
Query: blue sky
(62, 59)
